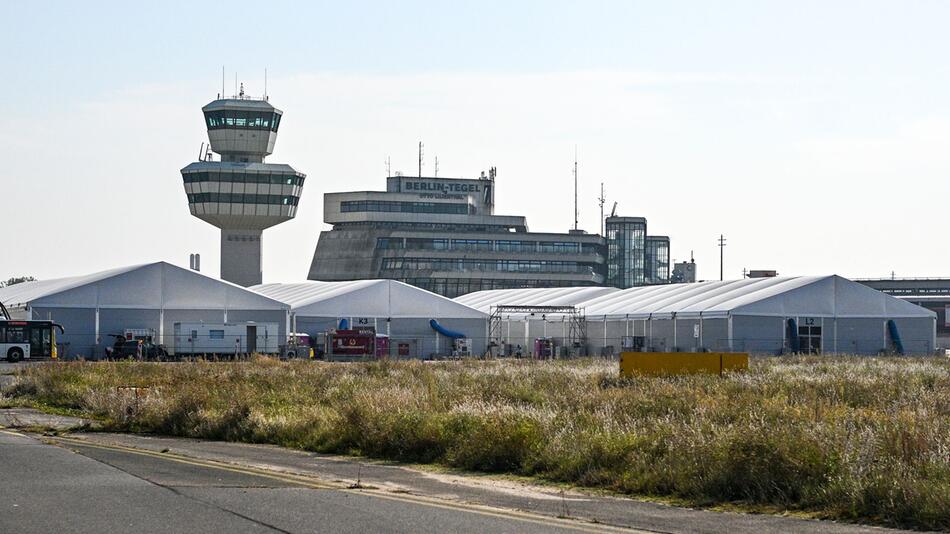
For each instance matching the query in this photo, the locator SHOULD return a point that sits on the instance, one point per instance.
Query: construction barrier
(676, 363)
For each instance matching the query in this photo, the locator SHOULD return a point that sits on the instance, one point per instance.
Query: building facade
(240, 194)
(635, 258)
(626, 251)
(441, 234)
(657, 259)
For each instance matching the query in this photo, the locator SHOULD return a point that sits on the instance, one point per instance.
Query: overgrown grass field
(847, 437)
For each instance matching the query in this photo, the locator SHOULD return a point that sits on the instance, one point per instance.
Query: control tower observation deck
(240, 194)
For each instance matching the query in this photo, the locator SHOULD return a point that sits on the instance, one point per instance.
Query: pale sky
(814, 135)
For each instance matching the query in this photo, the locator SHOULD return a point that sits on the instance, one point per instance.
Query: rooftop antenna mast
(722, 246)
(575, 187)
(389, 168)
(222, 81)
(420, 159)
(601, 200)
(436, 167)
(265, 84)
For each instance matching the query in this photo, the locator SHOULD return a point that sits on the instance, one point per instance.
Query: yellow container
(677, 363)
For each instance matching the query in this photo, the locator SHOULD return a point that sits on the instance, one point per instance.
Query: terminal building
(442, 235)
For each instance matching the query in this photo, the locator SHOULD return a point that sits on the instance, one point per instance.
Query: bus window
(15, 334)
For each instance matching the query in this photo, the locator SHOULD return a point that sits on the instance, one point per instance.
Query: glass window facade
(487, 245)
(245, 120)
(454, 287)
(626, 252)
(470, 265)
(243, 178)
(405, 207)
(242, 198)
(657, 260)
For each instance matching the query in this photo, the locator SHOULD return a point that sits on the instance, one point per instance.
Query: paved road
(101, 482)
(89, 489)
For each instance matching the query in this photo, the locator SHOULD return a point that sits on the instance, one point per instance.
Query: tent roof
(146, 286)
(829, 296)
(366, 298)
(547, 296)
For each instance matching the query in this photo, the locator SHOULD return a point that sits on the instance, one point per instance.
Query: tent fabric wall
(399, 310)
(365, 298)
(152, 296)
(554, 296)
(748, 314)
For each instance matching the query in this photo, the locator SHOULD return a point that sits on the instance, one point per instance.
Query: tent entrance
(251, 339)
(809, 335)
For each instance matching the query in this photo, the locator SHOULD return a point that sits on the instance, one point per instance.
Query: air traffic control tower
(240, 194)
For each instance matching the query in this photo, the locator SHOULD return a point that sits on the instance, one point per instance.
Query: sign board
(680, 363)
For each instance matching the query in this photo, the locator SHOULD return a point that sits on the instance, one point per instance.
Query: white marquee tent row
(765, 315)
(151, 296)
(156, 296)
(399, 310)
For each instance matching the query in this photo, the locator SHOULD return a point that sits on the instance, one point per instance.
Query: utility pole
(601, 200)
(575, 187)
(722, 246)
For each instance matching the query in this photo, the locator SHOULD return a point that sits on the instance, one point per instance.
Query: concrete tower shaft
(241, 194)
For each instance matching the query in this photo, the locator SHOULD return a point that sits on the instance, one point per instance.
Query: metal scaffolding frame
(577, 329)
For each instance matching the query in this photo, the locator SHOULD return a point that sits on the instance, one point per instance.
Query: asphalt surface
(99, 482)
(82, 489)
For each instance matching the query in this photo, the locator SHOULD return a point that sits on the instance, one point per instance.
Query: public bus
(21, 340)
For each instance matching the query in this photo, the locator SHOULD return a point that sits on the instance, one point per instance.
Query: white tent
(403, 312)
(148, 296)
(754, 314)
(553, 296)
(814, 296)
(365, 298)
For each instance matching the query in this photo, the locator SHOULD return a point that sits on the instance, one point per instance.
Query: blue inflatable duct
(344, 324)
(444, 331)
(793, 336)
(895, 336)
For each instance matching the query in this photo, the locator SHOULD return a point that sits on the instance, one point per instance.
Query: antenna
(389, 168)
(575, 187)
(722, 246)
(222, 81)
(201, 151)
(235, 83)
(436, 167)
(265, 84)
(601, 200)
(613, 212)
(420, 159)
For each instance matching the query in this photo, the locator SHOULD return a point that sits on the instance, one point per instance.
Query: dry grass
(849, 437)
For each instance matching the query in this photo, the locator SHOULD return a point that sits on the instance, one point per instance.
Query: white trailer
(225, 338)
